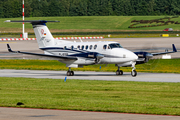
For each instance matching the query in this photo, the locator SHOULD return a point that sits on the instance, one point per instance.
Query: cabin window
(95, 46)
(86, 47)
(105, 46)
(90, 47)
(78, 46)
(65, 48)
(82, 47)
(72, 47)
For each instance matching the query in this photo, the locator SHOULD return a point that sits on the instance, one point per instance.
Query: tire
(117, 72)
(68, 73)
(134, 73)
(120, 72)
(72, 73)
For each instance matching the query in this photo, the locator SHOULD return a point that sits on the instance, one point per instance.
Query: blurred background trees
(45, 8)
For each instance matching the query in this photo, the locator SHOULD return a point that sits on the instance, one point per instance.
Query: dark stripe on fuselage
(81, 53)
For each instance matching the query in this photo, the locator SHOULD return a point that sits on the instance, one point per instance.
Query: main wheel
(68, 73)
(120, 72)
(72, 73)
(134, 73)
(117, 72)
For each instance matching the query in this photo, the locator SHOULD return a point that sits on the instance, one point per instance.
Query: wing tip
(9, 48)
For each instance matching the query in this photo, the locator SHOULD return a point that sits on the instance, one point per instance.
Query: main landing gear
(119, 72)
(70, 73)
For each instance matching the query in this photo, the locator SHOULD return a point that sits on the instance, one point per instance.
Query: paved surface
(88, 75)
(134, 44)
(40, 114)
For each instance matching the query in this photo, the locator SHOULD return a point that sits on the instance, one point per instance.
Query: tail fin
(43, 35)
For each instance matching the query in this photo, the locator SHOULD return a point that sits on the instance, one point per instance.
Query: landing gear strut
(69, 72)
(119, 72)
(133, 72)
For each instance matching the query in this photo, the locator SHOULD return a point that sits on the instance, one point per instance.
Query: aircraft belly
(84, 61)
(105, 61)
(80, 61)
(126, 64)
(114, 60)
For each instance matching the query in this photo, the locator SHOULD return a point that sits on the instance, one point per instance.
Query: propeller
(146, 57)
(143, 57)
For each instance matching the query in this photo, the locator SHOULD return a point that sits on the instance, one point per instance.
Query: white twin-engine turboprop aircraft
(79, 54)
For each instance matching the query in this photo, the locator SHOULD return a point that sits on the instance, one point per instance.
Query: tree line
(45, 8)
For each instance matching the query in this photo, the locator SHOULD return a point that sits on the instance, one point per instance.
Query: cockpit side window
(104, 47)
(115, 45)
(109, 47)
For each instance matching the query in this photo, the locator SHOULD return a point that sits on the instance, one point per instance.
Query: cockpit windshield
(115, 45)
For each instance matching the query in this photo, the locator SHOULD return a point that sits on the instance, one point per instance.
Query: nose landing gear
(133, 72)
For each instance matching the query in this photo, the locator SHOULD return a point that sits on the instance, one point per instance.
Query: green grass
(156, 66)
(89, 23)
(108, 96)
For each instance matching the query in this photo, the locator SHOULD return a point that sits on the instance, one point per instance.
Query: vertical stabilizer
(43, 35)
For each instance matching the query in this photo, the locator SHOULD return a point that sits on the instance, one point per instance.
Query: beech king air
(79, 54)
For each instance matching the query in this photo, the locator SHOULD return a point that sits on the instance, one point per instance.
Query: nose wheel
(133, 72)
(70, 73)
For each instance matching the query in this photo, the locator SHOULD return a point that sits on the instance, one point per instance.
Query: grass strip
(87, 23)
(155, 66)
(85, 95)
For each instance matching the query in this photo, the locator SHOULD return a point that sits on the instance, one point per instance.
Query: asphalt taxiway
(133, 44)
(41, 114)
(90, 75)
(128, 43)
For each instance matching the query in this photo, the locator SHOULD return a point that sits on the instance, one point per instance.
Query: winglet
(9, 48)
(174, 48)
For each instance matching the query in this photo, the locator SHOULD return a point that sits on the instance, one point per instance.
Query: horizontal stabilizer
(33, 22)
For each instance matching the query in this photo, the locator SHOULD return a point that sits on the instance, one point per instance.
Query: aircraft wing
(43, 55)
(174, 50)
(144, 57)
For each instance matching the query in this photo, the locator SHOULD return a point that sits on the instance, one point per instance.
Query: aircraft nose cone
(133, 56)
(136, 57)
